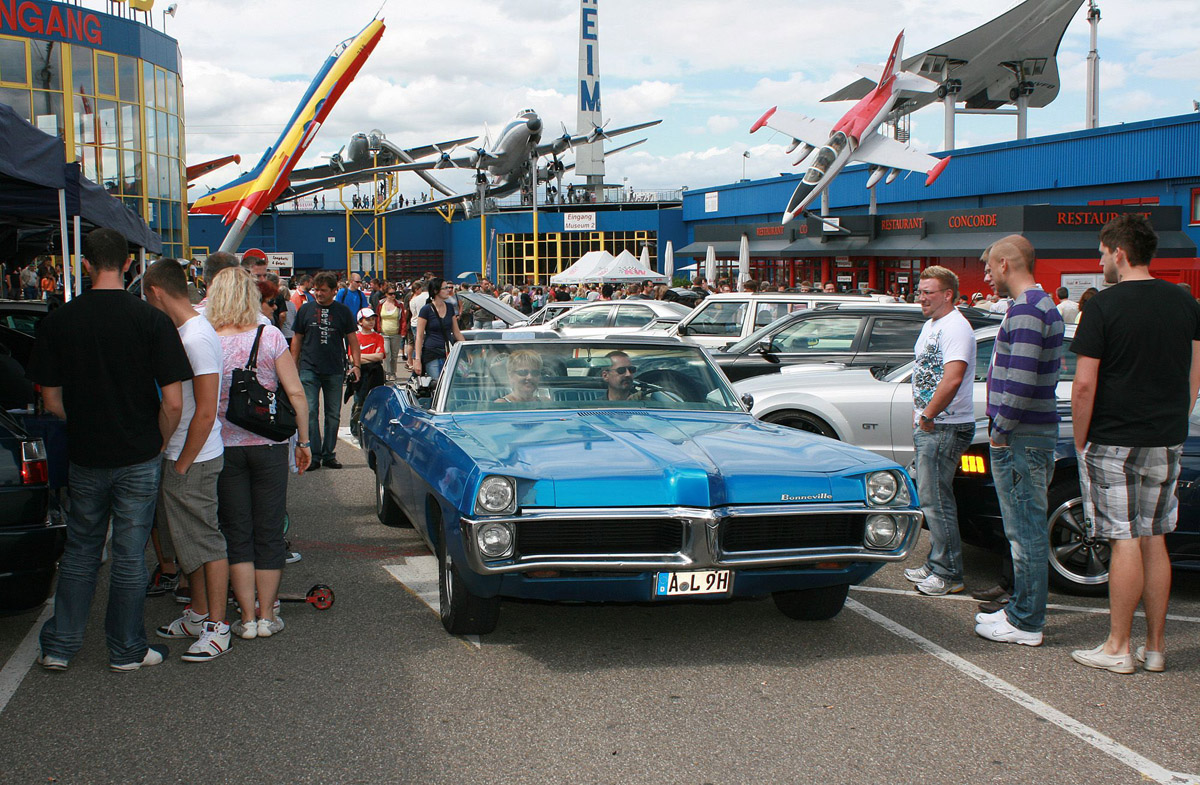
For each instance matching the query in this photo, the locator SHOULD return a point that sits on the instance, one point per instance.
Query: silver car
(601, 318)
(853, 405)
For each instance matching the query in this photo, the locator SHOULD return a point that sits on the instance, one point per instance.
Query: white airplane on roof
(855, 136)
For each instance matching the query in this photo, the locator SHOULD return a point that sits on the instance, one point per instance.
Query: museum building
(110, 88)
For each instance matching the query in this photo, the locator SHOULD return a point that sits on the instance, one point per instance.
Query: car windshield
(528, 375)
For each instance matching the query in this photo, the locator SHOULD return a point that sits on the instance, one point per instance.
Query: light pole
(745, 156)
(170, 11)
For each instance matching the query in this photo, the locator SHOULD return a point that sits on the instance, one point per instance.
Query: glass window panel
(18, 99)
(131, 172)
(160, 88)
(131, 127)
(718, 318)
(835, 334)
(148, 84)
(110, 170)
(106, 124)
(160, 143)
(172, 93)
(894, 335)
(82, 78)
(85, 120)
(47, 64)
(87, 159)
(151, 178)
(48, 113)
(176, 180)
(106, 74)
(13, 65)
(127, 73)
(173, 136)
(633, 315)
(134, 204)
(164, 177)
(151, 130)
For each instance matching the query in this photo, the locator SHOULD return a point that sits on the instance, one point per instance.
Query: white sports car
(853, 405)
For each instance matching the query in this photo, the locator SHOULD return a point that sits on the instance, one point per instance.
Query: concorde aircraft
(501, 168)
(855, 136)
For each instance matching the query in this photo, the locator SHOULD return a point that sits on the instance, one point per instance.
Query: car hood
(805, 376)
(636, 458)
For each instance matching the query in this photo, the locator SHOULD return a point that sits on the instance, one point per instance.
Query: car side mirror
(748, 400)
(681, 330)
(763, 347)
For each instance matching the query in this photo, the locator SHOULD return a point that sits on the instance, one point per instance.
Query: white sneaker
(246, 630)
(189, 625)
(1153, 661)
(214, 641)
(269, 627)
(1004, 632)
(917, 574)
(991, 618)
(935, 586)
(154, 655)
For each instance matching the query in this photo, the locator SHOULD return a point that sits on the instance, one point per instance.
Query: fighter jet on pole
(244, 199)
(855, 136)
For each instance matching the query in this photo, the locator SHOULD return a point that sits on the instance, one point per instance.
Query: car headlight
(882, 487)
(496, 495)
(495, 540)
(881, 531)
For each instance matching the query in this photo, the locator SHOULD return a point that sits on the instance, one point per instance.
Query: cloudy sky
(707, 68)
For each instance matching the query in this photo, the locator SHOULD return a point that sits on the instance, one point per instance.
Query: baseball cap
(366, 313)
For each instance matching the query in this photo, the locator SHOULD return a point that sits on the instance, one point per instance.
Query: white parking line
(1051, 606)
(22, 659)
(1144, 766)
(419, 576)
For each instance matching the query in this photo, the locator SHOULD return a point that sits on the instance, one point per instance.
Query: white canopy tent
(584, 269)
(625, 269)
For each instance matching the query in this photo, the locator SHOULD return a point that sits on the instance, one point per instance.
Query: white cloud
(720, 124)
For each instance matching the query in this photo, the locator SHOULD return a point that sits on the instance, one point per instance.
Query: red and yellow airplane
(244, 199)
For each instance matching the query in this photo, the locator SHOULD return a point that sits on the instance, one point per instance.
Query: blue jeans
(937, 455)
(433, 368)
(329, 385)
(1022, 473)
(128, 494)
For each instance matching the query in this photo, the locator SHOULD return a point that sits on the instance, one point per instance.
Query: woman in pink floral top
(252, 488)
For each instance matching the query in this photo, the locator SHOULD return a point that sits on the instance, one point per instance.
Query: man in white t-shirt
(943, 425)
(415, 304)
(193, 459)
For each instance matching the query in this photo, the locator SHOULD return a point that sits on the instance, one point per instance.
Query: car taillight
(973, 464)
(34, 469)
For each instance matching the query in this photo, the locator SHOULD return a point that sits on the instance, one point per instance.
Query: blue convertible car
(623, 470)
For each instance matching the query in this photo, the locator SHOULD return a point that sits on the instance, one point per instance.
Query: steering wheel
(672, 383)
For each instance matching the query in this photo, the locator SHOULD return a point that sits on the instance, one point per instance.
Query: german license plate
(677, 584)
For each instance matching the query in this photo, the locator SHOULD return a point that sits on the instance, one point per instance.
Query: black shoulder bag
(255, 408)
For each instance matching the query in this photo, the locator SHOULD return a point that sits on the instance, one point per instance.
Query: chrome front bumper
(701, 543)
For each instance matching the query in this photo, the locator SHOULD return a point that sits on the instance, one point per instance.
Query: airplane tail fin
(895, 60)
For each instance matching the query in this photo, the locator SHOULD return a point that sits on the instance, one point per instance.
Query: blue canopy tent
(38, 191)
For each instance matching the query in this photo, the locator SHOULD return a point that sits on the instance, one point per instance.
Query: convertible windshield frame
(546, 375)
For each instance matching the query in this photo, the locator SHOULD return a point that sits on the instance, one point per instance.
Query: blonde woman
(524, 376)
(252, 487)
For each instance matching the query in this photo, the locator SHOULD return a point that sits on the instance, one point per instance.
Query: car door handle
(393, 423)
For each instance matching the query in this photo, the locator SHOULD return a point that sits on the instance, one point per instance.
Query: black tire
(1078, 562)
(386, 508)
(801, 421)
(462, 612)
(812, 604)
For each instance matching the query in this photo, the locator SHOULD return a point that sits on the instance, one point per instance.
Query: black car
(30, 542)
(873, 336)
(22, 315)
(1078, 561)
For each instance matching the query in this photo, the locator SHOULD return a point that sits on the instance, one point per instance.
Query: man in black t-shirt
(325, 332)
(1135, 384)
(101, 360)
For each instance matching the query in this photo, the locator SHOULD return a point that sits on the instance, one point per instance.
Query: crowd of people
(1137, 375)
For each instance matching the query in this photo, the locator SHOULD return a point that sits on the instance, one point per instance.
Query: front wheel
(801, 421)
(1078, 560)
(812, 604)
(462, 612)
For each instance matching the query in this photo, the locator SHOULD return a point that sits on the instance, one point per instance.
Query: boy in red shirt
(371, 349)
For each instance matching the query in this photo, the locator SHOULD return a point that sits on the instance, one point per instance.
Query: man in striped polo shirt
(1023, 416)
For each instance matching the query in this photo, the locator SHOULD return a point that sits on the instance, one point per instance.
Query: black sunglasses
(526, 372)
(623, 369)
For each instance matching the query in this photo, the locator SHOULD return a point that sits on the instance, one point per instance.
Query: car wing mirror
(763, 347)
(748, 401)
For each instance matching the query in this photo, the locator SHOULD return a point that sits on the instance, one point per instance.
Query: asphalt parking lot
(896, 689)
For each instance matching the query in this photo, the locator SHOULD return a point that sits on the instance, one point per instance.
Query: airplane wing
(196, 171)
(988, 59)
(879, 150)
(869, 71)
(324, 171)
(430, 149)
(797, 126)
(563, 143)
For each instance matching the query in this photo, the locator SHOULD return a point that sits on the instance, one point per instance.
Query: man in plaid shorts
(1138, 372)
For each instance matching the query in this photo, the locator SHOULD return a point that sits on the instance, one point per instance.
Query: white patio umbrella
(710, 265)
(645, 257)
(744, 261)
(669, 263)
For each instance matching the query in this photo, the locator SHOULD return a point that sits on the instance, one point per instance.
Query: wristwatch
(302, 444)
(926, 419)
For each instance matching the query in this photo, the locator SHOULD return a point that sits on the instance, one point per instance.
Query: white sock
(193, 617)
